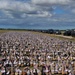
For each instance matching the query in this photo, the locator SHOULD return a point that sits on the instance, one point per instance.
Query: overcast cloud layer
(43, 14)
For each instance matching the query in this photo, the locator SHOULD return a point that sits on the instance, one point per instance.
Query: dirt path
(69, 37)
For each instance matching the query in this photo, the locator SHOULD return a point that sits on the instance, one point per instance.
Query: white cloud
(16, 6)
(41, 14)
(36, 8)
(73, 11)
(51, 1)
(21, 9)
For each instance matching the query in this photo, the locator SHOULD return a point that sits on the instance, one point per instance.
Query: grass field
(46, 34)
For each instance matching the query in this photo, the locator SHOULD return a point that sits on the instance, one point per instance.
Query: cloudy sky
(37, 14)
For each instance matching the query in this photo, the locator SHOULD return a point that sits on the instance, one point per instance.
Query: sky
(37, 14)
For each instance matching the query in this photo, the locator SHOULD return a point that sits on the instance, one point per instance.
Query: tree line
(58, 32)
